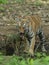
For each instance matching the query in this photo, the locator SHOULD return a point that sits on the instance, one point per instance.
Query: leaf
(46, 59)
(23, 62)
(38, 54)
(31, 62)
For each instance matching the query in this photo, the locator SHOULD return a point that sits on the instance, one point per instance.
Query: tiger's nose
(21, 33)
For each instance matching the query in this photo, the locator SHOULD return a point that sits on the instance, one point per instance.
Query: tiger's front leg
(32, 45)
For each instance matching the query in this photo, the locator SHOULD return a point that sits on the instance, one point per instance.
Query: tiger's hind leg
(42, 40)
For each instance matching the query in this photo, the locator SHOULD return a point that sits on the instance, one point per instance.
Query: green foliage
(2, 9)
(20, 1)
(15, 60)
(1, 59)
(37, 3)
(3, 1)
(38, 55)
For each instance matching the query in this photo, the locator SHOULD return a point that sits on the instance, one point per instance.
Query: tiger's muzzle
(21, 35)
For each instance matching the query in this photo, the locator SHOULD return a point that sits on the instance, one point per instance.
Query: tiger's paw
(31, 52)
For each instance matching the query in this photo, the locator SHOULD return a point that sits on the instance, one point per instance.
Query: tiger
(30, 26)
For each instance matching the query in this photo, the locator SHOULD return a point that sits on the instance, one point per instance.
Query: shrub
(20, 1)
(37, 3)
(15, 60)
(3, 1)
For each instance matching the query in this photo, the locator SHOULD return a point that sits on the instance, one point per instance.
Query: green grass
(20, 1)
(37, 3)
(2, 9)
(15, 60)
(3, 1)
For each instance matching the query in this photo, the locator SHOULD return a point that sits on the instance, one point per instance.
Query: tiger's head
(22, 26)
